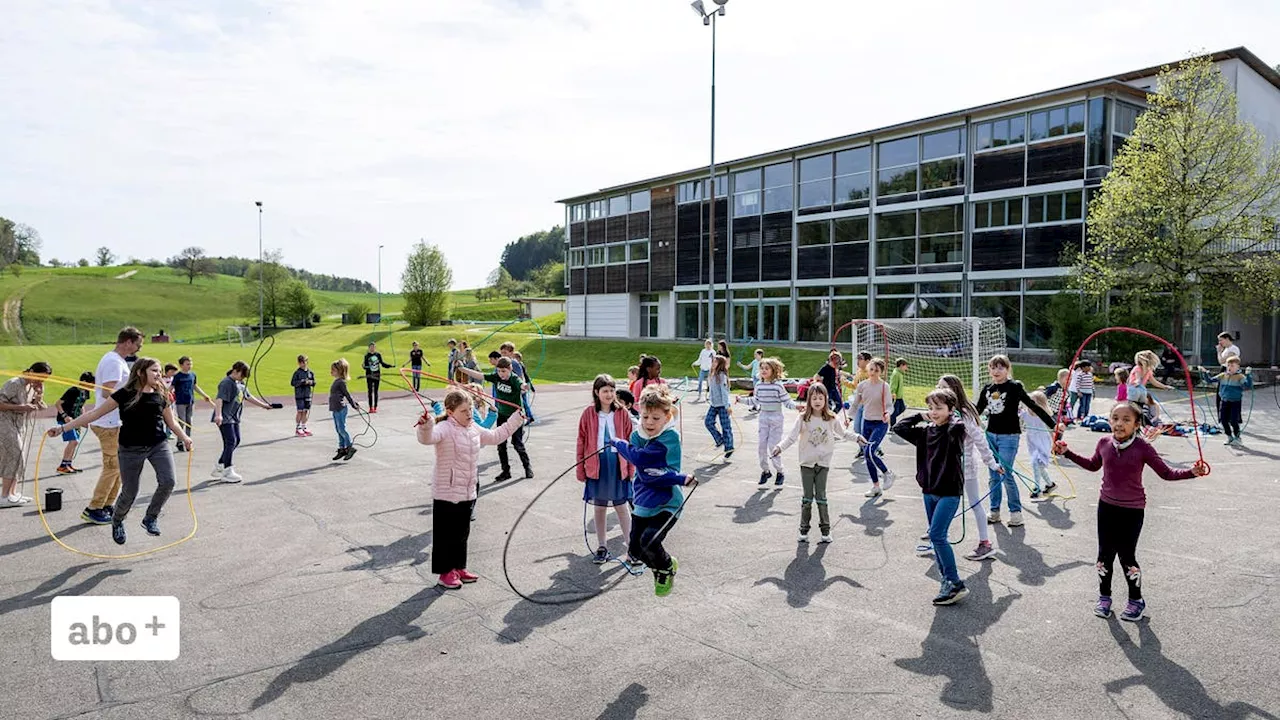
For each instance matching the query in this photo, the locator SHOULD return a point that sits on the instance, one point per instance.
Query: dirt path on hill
(12, 319)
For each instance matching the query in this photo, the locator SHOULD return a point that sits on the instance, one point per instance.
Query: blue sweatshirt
(718, 392)
(1230, 387)
(658, 477)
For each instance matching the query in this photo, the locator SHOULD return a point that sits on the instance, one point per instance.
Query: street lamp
(380, 284)
(261, 315)
(709, 18)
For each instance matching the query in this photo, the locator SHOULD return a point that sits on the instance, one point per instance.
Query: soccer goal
(932, 346)
(239, 334)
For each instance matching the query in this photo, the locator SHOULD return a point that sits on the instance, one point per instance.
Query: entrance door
(746, 318)
(777, 322)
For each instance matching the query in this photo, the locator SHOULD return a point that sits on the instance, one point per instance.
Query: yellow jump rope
(36, 481)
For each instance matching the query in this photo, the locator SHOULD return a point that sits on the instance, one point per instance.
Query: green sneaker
(664, 580)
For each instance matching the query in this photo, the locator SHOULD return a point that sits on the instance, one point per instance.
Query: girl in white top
(817, 432)
(975, 448)
(703, 363)
(1038, 442)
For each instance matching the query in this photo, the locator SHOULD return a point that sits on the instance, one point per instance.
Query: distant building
(966, 213)
(539, 307)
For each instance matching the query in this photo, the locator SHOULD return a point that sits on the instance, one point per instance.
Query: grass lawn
(565, 360)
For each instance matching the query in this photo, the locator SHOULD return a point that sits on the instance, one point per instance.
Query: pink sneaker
(306, 432)
(466, 577)
(450, 580)
(299, 432)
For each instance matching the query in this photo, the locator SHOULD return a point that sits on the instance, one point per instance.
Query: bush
(15, 268)
(315, 318)
(355, 313)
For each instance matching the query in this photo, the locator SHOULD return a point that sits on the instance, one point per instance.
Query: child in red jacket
(606, 477)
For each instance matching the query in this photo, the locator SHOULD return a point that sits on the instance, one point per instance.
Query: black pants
(450, 529)
(373, 381)
(647, 535)
(1118, 531)
(517, 440)
(230, 441)
(1229, 416)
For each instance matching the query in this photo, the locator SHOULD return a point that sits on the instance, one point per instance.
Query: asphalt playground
(307, 593)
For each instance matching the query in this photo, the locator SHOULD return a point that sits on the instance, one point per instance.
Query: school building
(967, 213)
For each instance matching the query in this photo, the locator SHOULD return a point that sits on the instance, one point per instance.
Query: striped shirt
(1082, 382)
(771, 397)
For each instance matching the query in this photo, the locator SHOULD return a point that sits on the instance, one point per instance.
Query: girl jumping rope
(718, 400)
(1122, 502)
(1038, 443)
(1141, 375)
(817, 432)
(339, 397)
(453, 490)
(874, 402)
(770, 398)
(976, 450)
(605, 476)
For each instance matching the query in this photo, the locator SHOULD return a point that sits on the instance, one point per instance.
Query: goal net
(932, 347)
(239, 334)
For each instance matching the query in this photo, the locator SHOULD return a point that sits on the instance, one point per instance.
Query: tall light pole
(709, 18)
(261, 314)
(379, 284)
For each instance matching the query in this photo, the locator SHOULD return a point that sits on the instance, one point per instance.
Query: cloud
(149, 127)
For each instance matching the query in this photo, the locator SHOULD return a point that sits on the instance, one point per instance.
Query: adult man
(112, 371)
(1226, 348)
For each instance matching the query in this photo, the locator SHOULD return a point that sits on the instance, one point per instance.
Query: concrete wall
(575, 323)
(610, 316)
(1259, 102)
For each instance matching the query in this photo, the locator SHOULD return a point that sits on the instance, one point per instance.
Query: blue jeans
(857, 422)
(899, 407)
(1006, 449)
(724, 436)
(1085, 400)
(340, 427)
(703, 375)
(874, 433)
(230, 440)
(941, 510)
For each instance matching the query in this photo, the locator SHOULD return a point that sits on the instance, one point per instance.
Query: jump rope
(44, 520)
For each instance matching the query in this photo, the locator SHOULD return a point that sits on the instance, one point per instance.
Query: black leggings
(1229, 416)
(1118, 531)
(450, 529)
(647, 535)
(373, 381)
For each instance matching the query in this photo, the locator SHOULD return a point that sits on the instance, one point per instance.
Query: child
(303, 381)
(1080, 391)
(871, 398)
(633, 374)
(526, 395)
(703, 363)
(372, 365)
(451, 365)
(339, 396)
(754, 366)
(654, 450)
(606, 477)
(649, 373)
(818, 429)
(19, 397)
(1121, 502)
(185, 388)
(1231, 386)
(145, 412)
(482, 413)
(228, 404)
(506, 389)
(1000, 400)
(770, 398)
(1142, 375)
(1122, 384)
(1056, 392)
(718, 398)
(829, 376)
(939, 471)
(167, 381)
(453, 487)
(853, 382)
(416, 359)
(896, 382)
(1038, 442)
(69, 407)
(975, 449)
(628, 402)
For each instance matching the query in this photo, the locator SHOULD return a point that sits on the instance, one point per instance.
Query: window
(942, 235)
(746, 193)
(598, 209)
(617, 206)
(577, 258)
(648, 319)
(617, 254)
(997, 213)
(640, 201)
(1000, 133)
(896, 239)
(1126, 119)
(689, 192)
(898, 166)
(722, 186)
(853, 175)
(1055, 207)
(1008, 307)
(1056, 122)
(777, 188)
(852, 230)
(577, 213)
(946, 143)
(818, 233)
(815, 181)
(1097, 132)
(595, 256)
(639, 250)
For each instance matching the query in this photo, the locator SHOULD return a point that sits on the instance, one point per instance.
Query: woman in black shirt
(145, 412)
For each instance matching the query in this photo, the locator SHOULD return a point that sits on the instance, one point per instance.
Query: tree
(192, 263)
(56, 263)
(425, 284)
(19, 243)
(83, 262)
(501, 284)
(531, 252)
(1188, 213)
(296, 304)
(274, 278)
(105, 256)
(548, 279)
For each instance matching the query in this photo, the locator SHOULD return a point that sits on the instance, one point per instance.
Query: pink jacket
(589, 435)
(458, 452)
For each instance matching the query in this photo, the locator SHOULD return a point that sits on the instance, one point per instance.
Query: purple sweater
(1122, 471)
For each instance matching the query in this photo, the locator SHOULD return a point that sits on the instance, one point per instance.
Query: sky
(148, 127)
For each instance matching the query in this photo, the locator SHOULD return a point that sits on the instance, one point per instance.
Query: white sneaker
(231, 476)
(14, 500)
(804, 538)
(825, 539)
(924, 550)
(887, 481)
(218, 471)
(873, 492)
(993, 518)
(924, 536)
(1015, 519)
